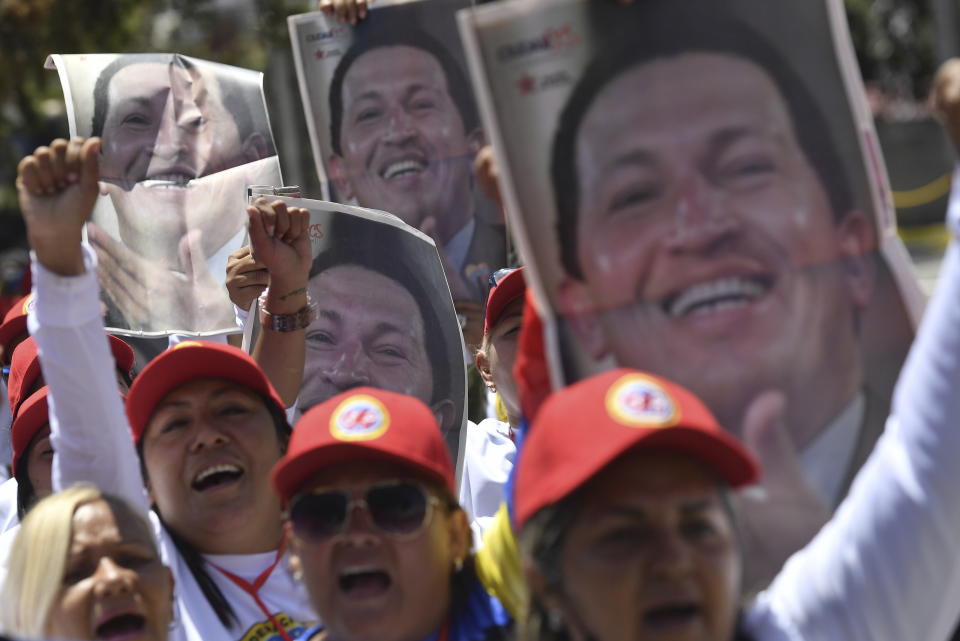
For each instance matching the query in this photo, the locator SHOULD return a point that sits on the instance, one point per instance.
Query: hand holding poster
(697, 190)
(181, 139)
(385, 318)
(394, 126)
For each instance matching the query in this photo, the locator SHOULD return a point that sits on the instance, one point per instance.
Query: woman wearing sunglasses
(374, 527)
(206, 424)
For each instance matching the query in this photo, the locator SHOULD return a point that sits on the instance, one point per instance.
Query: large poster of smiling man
(181, 140)
(697, 190)
(394, 126)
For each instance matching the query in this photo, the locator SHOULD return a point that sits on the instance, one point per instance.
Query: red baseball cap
(25, 367)
(364, 424)
(33, 415)
(584, 427)
(15, 323)
(189, 361)
(508, 289)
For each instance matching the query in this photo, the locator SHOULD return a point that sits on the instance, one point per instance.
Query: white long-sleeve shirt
(93, 443)
(887, 565)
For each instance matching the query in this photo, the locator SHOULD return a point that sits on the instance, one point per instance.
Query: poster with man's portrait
(394, 126)
(697, 190)
(181, 140)
(385, 316)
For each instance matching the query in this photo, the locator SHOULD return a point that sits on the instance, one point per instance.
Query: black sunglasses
(396, 508)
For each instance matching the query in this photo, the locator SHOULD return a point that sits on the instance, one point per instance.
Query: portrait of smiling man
(404, 132)
(384, 320)
(708, 231)
(180, 140)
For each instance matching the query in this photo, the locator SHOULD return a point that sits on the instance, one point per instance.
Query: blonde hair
(38, 559)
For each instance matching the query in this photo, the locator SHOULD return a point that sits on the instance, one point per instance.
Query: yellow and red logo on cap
(638, 401)
(28, 304)
(359, 418)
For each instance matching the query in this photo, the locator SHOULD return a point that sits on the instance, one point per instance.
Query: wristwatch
(300, 319)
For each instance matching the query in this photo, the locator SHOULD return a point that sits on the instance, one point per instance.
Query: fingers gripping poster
(181, 140)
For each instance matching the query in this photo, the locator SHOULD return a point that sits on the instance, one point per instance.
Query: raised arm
(887, 566)
(279, 240)
(57, 188)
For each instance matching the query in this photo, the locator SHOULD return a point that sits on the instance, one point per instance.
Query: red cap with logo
(189, 361)
(25, 367)
(508, 289)
(33, 415)
(364, 424)
(14, 323)
(584, 427)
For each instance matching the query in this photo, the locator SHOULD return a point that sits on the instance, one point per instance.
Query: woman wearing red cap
(630, 533)
(32, 452)
(30, 431)
(375, 528)
(207, 425)
(489, 451)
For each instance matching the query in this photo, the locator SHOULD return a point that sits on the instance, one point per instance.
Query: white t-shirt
(92, 443)
(487, 461)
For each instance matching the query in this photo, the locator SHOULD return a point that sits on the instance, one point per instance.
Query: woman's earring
(457, 565)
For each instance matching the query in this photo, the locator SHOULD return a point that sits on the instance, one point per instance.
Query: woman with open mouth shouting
(622, 498)
(375, 530)
(207, 425)
(85, 565)
(630, 533)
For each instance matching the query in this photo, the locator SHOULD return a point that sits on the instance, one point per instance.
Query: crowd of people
(207, 496)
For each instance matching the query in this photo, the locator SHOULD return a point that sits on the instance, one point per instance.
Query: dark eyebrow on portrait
(138, 101)
(384, 327)
(729, 136)
(330, 315)
(410, 91)
(630, 159)
(369, 94)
